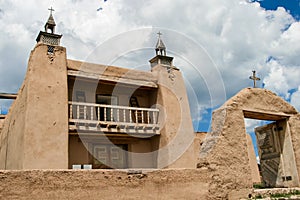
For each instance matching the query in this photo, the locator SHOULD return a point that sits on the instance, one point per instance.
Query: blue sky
(293, 6)
(220, 43)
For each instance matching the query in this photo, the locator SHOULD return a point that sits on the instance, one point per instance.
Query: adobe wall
(12, 134)
(225, 147)
(1, 124)
(252, 161)
(294, 125)
(29, 139)
(225, 152)
(141, 154)
(104, 184)
(78, 152)
(46, 133)
(176, 149)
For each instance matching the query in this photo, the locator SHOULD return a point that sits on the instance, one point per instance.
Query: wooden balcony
(112, 118)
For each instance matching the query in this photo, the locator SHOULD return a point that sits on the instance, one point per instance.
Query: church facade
(73, 114)
(70, 114)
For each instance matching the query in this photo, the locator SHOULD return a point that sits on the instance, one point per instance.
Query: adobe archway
(224, 150)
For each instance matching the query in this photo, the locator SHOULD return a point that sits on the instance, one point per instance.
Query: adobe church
(70, 114)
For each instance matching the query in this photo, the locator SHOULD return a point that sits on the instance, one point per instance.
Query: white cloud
(282, 78)
(276, 79)
(295, 99)
(251, 124)
(236, 36)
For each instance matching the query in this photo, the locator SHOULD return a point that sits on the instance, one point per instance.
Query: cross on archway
(254, 78)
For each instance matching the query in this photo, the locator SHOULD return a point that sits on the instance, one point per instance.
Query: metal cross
(254, 78)
(51, 10)
(159, 34)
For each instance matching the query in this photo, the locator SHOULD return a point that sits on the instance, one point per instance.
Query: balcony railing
(112, 118)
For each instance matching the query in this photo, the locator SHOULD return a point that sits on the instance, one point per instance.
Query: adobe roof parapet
(261, 101)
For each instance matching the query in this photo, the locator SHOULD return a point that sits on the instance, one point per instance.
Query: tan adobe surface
(225, 147)
(257, 99)
(103, 184)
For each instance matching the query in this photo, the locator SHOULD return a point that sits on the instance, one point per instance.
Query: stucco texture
(35, 132)
(225, 148)
(101, 184)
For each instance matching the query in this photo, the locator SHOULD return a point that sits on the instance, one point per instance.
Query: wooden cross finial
(51, 10)
(254, 78)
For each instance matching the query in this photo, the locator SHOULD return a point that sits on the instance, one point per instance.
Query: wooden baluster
(148, 117)
(98, 117)
(142, 116)
(136, 116)
(154, 117)
(118, 115)
(124, 115)
(92, 113)
(105, 114)
(71, 111)
(84, 112)
(111, 114)
(78, 110)
(130, 115)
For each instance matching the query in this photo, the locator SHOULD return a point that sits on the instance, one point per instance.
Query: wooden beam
(8, 96)
(114, 79)
(264, 115)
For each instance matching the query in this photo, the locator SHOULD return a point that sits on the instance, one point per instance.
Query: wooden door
(109, 156)
(269, 153)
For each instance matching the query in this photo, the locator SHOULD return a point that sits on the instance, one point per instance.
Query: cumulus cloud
(295, 99)
(281, 78)
(251, 124)
(276, 79)
(223, 41)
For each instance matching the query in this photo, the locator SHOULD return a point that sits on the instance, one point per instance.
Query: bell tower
(48, 36)
(176, 129)
(161, 57)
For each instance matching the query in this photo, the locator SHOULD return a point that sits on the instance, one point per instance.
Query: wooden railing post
(124, 115)
(142, 116)
(148, 117)
(92, 113)
(118, 115)
(136, 116)
(71, 111)
(130, 115)
(78, 110)
(84, 112)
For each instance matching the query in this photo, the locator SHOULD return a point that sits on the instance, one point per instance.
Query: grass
(278, 195)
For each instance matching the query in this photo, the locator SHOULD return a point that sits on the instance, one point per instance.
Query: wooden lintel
(265, 115)
(144, 83)
(8, 96)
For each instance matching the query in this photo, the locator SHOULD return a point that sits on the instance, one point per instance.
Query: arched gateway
(224, 150)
